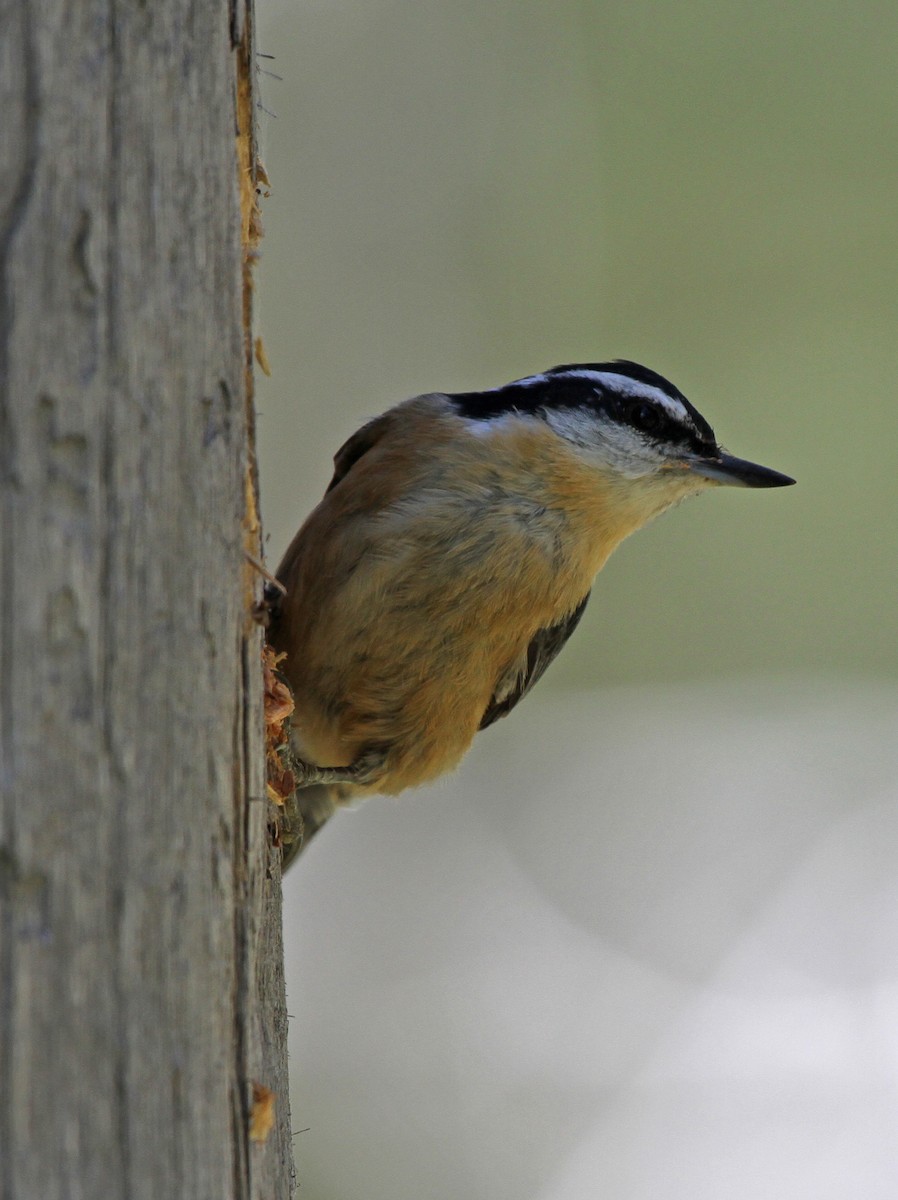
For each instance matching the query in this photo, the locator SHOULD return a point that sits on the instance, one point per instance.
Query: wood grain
(141, 983)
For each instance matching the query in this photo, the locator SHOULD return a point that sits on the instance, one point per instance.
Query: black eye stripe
(646, 417)
(572, 388)
(642, 414)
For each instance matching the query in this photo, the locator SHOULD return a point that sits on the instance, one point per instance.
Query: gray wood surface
(141, 986)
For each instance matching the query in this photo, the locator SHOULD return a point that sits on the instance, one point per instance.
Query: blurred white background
(645, 943)
(659, 959)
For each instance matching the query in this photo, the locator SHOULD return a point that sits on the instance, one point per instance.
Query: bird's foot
(365, 770)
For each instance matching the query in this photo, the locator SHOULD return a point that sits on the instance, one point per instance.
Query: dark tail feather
(304, 813)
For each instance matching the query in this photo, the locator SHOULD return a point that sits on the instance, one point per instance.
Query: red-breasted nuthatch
(453, 555)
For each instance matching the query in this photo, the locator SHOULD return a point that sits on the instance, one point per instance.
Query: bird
(453, 555)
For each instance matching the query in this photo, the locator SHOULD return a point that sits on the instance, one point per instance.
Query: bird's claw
(365, 770)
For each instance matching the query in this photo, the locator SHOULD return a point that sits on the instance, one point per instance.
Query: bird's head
(627, 422)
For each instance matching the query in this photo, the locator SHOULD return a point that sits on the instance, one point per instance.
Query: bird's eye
(646, 417)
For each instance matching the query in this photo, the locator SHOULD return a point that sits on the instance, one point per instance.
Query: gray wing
(357, 446)
(544, 646)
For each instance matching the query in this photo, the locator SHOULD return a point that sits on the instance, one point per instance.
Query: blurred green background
(643, 943)
(464, 193)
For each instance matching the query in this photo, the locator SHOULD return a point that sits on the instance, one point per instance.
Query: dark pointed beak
(737, 472)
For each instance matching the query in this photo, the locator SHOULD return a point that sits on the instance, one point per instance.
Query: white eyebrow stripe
(624, 386)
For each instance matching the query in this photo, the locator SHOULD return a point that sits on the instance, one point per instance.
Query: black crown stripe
(564, 387)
